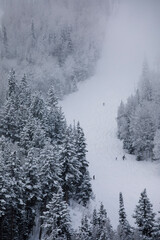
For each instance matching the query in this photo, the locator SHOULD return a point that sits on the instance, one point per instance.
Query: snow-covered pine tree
(52, 99)
(24, 96)
(38, 108)
(156, 143)
(124, 229)
(52, 114)
(12, 83)
(84, 189)
(145, 217)
(31, 188)
(156, 234)
(60, 127)
(50, 171)
(143, 129)
(56, 219)
(94, 225)
(9, 121)
(13, 219)
(70, 174)
(145, 84)
(105, 231)
(85, 230)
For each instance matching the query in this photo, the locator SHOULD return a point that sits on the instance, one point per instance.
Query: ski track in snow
(99, 123)
(115, 78)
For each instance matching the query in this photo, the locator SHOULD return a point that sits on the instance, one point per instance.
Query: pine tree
(12, 220)
(145, 84)
(60, 127)
(9, 121)
(85, 231)
(105, 231)
(156, 234)
(38, 108)
(52, 98)
(144, 216)
(124, 229)
(70, 166)
(50, 172)
(94, 224)
(156, 149)
(53, 113)
(31, 188)
(143, 129)
(12, 83)
(56, 219)
(84, 190)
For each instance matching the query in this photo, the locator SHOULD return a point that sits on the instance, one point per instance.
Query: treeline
(98, 226)
(139, 119)
(53, 42)
(42, 162)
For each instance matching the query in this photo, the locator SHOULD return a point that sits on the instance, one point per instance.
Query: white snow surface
(112, 83)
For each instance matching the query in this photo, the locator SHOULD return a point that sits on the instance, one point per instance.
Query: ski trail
(114, 81)
(112, 176)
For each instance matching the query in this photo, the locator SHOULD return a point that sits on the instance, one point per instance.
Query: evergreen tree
(70, 166)
(12, 221)
(94, 224)
(105, 231)
(31, 189)
(38, 108)
(85, 231)
(145, 84)
(156, 234)
(84, 190)
(12, 83)
(156, 149)
(56, 219)
(60, 127)
(50, 172)
(144, 216)
(124, 229)
(52, 98)
(143, 129)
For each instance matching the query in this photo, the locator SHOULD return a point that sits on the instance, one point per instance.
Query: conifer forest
(79, 120)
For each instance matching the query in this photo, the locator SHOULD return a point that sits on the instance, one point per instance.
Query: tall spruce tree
(56, 219)
(85, 230)
(124, 229)
(144, 216)
(70, 166)
(84, 190)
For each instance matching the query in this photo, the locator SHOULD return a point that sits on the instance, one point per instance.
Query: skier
(124, 157)
(94, 177)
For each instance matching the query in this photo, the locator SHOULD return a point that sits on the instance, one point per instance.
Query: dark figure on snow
(116, 158)
(124, 157)
(103, 103)
(94, 177)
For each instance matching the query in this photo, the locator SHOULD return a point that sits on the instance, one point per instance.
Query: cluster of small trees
(53, 42)
(98, 226)
(139, 119)
(42, 161)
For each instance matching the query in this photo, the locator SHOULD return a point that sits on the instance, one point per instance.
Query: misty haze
(79, 120)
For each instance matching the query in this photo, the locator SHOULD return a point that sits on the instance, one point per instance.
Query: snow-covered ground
(114, 80)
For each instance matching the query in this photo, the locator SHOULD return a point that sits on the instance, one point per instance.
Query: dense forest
(139, 118)
(43, 168)
(42, 160)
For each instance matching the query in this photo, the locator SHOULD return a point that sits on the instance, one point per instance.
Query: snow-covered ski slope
(114, 81)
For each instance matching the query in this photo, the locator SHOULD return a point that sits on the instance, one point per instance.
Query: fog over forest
(132, 36)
